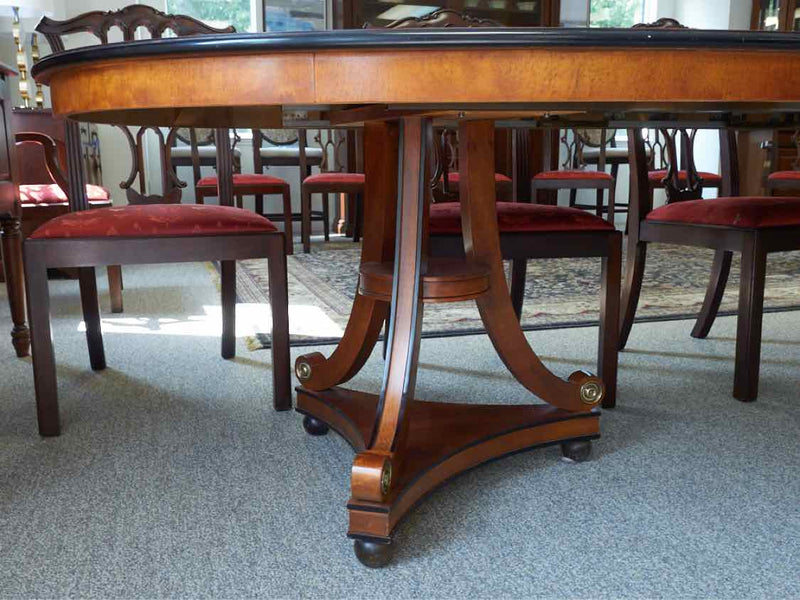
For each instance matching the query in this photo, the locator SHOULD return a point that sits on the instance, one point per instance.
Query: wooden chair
(250, 184)
(670, 154)
(40, 140)
(573, 179)
(282, 150)
(332, 179)
(591, 151)
(754, 226)
(10, 221)
(446, 176)
(196, 149)
(784, 179)
(143, 234)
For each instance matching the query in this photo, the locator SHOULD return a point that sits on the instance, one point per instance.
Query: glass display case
(776, 15)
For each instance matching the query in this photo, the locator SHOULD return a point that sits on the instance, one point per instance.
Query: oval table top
(248, 79)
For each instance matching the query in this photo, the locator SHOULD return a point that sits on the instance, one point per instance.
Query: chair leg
(305, 223)
(351, 216)
(326, 217)
(279, 303)
(607, 358)
(716, 288)
(359, 224)
(91, 316)
(115, 287)
(288, 226)
(573, 197)
(748, 325)
(15, 285)
(44, 360)
(259, 204)
(519, 269)
(599, 203)
(634, 271)
(239, 201)
(612, 203)
(228, 288)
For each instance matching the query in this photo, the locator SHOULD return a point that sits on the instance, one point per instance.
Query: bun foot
(314, 426)
(373, 554)
(576, 450)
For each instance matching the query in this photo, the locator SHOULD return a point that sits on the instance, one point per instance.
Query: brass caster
(373, 554)
(314, 426)
(576, 450)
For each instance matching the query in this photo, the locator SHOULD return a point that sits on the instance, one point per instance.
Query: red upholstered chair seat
(244, 179)
(709, 179)
(572, 175)
(453, 178)
(154, 220)
(747, 212)
(51, 193)
(445, 218)
(346, 183)
(784, 176)
(351, 178)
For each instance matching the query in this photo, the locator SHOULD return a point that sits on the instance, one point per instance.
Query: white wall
(115, 153)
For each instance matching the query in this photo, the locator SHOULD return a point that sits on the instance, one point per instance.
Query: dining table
(398, 85)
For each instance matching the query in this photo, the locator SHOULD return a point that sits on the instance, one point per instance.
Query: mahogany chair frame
(87, 253)
(354, 192)
(753, 244)
(259, 190)
(262, 163)
(778, 183)
(581, 158)
(599, 184)
(52, 170)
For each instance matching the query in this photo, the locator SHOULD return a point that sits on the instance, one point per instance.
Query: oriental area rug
(559, 292)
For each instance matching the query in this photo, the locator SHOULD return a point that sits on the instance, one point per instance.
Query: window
(294, 15)
(218, 13)
(616, 13)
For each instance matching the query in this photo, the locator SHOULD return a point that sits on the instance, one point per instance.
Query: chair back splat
(99, 23)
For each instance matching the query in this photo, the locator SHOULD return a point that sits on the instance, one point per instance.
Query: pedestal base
(442, 441)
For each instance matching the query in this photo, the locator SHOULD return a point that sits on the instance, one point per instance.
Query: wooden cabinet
(353, 14)
(764, 152)
(776, 15)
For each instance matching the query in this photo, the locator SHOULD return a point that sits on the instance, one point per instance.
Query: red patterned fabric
(445, 218)
(154, 220)
(454, 178)
(349, 178)
(568, 175)
(785, 176)
(51, 193)
(656, 177)
(747, 212)
(243, 179)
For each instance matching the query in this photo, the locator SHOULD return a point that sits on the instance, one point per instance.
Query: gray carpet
(173, 477)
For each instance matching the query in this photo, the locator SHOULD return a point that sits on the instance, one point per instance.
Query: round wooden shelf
(446, 280)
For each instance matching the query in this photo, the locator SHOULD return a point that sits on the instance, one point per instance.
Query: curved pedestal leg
(407, 447)
(716, 288)
(519, 269)
(368, 315)
(482, 244)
